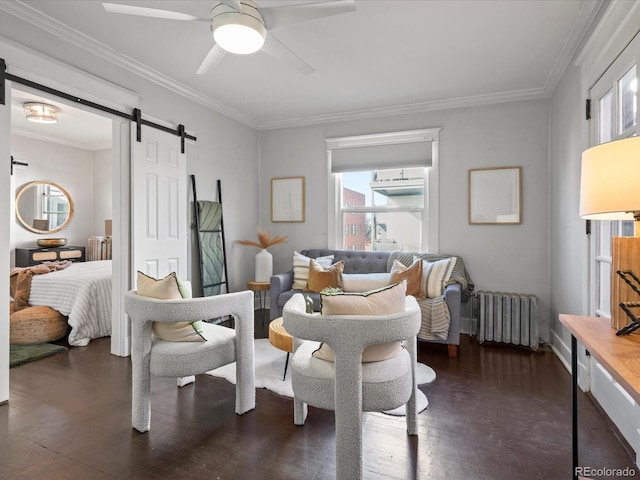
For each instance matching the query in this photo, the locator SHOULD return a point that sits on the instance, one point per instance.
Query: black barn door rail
(136, 116)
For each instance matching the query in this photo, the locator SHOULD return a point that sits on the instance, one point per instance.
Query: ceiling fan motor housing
(227, 24)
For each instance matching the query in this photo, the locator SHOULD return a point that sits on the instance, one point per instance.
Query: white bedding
(81, 291)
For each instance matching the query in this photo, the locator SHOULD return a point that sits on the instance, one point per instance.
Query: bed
(82, 292)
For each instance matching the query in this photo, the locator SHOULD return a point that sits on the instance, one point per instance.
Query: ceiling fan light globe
(238, 38)
(240, 32)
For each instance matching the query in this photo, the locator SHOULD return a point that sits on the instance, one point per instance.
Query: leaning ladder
(212, 254)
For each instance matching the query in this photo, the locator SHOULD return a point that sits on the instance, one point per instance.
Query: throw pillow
(413, 274)
(383, 301)
(301, 269)
(319, 278)
(435, 275)
(169, 288)
(22, 289)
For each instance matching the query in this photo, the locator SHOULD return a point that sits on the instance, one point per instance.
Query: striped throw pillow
(301, 269)
(435, 276)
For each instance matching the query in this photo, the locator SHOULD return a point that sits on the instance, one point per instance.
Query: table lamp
(610, 190)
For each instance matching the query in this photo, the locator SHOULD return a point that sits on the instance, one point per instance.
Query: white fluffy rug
(270, 368)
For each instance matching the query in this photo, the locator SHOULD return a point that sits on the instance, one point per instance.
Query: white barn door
(159, 204)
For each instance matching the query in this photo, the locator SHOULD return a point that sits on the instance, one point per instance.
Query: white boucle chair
(152, 356)
(349, 386)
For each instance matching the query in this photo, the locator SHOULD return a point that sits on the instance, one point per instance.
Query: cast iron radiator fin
(508, 318)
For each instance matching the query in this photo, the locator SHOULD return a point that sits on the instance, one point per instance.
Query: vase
(264, 266)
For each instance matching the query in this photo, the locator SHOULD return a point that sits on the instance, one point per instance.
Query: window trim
(430, 234)
(607, 81)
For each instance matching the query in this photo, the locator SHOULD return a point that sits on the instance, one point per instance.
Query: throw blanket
(436, 317)
(20, 280)
(83, 293)
(458, 275)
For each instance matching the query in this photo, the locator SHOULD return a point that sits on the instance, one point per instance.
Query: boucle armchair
(152, 356)
(350, 386)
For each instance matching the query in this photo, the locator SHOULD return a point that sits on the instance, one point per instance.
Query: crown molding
(463, 102)
(85, 42)
(79, 39)
(68, 143)
(615, 29)
(579, 30)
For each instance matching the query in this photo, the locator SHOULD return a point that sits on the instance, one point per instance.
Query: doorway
(75, 153)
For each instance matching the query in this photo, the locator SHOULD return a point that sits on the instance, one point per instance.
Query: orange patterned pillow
(319, 278)
(413, 274)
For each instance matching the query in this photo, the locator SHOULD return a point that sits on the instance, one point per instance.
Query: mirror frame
(24, 188)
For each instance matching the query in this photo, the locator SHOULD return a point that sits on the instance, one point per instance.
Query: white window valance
(382, 151)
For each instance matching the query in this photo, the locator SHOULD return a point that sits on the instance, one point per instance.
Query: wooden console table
(620, 356)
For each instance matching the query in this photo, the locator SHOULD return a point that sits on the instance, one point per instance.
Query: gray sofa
(378, 262)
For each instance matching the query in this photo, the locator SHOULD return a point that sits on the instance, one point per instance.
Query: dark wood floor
(494, 413)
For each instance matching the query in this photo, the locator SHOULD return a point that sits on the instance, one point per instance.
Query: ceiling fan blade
(149, 12)
(276, 17)
(211, 60)
(272, 46)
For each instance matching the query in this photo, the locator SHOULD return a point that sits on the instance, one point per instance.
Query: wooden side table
(617, 354)
(260, 289)
(279, 338)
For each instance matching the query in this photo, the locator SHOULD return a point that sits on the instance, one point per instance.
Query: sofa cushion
(355, 261)
(383, 301)
(301, 269)
(413, 274)
(435, 276)
(169, 288)
(320, 278)
(364, 282)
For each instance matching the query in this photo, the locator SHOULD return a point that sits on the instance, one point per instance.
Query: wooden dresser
(25, 257)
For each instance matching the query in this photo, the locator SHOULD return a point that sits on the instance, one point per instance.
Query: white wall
(569, 243)
(69, 167)
(513, 258)
(570, 276)
(102, 190)
(225, 149)
(6, 209)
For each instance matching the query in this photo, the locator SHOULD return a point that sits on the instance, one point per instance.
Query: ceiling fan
(241, 27)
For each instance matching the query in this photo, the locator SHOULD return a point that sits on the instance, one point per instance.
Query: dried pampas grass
(265, 240)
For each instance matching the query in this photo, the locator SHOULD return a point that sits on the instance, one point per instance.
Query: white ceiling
(388, 56)
(75, 128)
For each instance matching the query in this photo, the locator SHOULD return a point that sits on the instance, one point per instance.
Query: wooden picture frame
(287, 199)
(495, 196)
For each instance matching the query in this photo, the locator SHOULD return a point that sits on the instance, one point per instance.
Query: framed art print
(287, 199)
(495, 195)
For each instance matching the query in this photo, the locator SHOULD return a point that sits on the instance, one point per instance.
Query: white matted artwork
(287, 199)
(495, 195)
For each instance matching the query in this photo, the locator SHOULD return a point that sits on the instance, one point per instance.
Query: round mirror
(43, 207)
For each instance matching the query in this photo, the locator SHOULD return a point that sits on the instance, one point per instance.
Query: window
(384, 188)
(616, 114)
(384, 209)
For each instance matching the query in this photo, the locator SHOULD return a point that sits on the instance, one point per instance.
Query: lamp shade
(610, 181)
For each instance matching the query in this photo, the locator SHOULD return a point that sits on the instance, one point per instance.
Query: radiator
(99, 248)
(508, 318)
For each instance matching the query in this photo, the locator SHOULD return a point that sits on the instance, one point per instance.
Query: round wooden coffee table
(279, 338)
